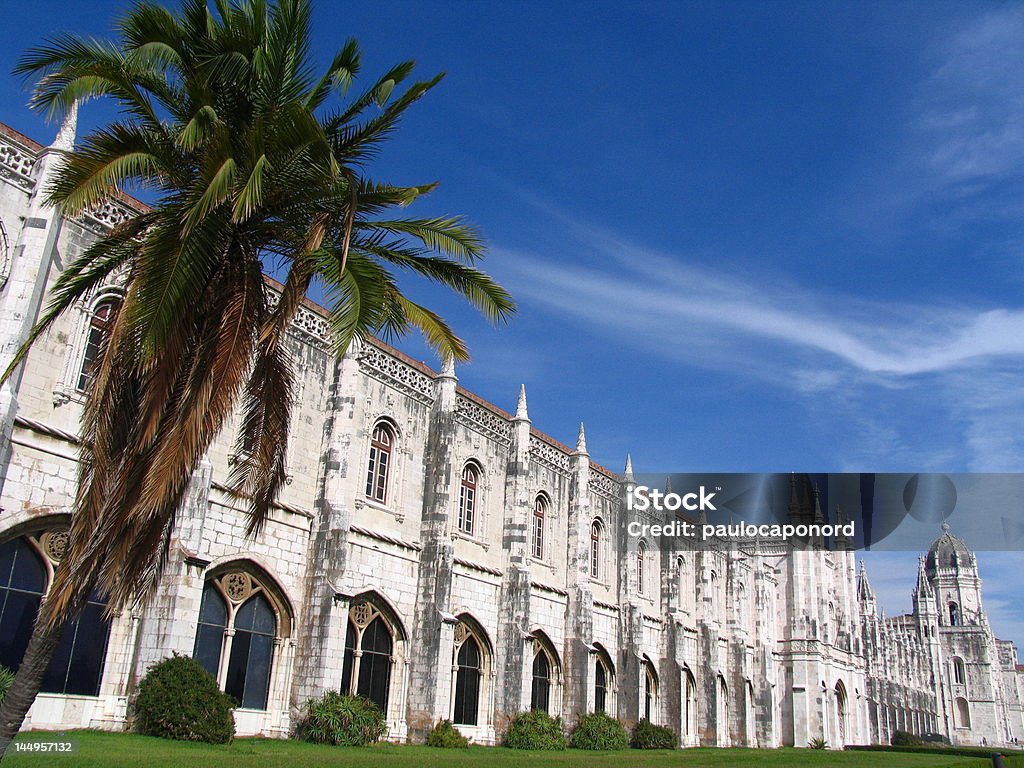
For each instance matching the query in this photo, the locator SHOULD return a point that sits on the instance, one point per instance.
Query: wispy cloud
(661, 302)
(971, 123)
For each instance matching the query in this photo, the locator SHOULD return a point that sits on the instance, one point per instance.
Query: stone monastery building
(446, 559)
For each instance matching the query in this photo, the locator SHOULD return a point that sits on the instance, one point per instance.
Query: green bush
(6, 679)
(599, 731)
(347, 721)
(904, 739)
(447, 736)
(817, 743)
(178, 699)
(535, 730)
(647, 735)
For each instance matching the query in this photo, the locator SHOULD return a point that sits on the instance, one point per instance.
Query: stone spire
(864, 591)
(65, 140)
(923, 588)
(818, 516)
(521, 412)
(581, 442)
(627, 473)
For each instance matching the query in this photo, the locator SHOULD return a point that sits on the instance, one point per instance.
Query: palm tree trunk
(27, 682)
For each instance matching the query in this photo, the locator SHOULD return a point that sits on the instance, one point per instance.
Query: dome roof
(947, 551)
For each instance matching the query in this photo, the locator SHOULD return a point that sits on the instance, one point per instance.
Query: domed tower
(952, 572)
(970, 694)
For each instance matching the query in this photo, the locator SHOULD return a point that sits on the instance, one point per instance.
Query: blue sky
(744, 237)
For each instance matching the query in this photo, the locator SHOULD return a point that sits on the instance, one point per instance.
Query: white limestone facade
(449, 560)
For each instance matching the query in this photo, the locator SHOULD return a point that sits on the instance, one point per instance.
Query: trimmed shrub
(535, 730)
(647, 735)
(447, 736)
(346, 721)
(599, 731)
(6, 680)
(178, 699)
(904, 739)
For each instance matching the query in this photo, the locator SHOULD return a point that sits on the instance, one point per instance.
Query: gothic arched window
(540, 693)
(595, 549)
(236, 636)
(77, 665)
(954, 615)
(650, 691)
(959, 671)
(540, 507)
(600, 686)
(382, 442)
(690, 703)
(467, 682)
(100, 323)
(641, 556)
(369, 655)
(468, 497)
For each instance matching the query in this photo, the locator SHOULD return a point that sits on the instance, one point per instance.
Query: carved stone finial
(628, 472)
(521, 413)
(581, 440)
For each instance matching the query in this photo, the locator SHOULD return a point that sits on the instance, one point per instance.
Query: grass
(95, 749)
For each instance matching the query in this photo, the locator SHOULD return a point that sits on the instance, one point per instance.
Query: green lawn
(105, 750)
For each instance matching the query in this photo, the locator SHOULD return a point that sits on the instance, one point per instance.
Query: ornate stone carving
(16, 163)
(603, 485)
(361, 614)
(483, 420)
(396, 373)
(546, 454)
(54, 544)
(237, 586)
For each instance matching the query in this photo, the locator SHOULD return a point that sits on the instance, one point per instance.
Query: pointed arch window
(596, 532)
(382, 443)
(470, 661)
(100, 323)
(540, 508)
(690, 703)
(641, 557)
(959, 671)
(369, 655)
(540, 694)
(954, 615)
(600, 686)
(239, 629)
(650, 691)
(604, 675)
(468, 497)
(26, 568)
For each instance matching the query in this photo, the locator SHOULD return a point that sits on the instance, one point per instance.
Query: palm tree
(225, 126)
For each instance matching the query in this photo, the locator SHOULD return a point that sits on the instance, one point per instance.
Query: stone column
(512, 683)
(22, 295)
(579, 619)
(320, 644)
(430, 662)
